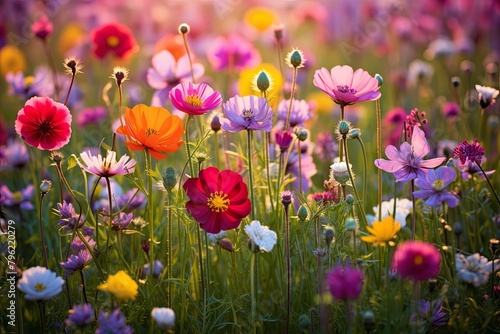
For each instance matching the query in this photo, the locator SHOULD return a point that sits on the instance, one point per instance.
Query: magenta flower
(298, 114)
(469, 152)
(283, 139)
(451, 110)
(234, 53)
(416, 260)
(194, 99)
(345, 282)
(407, 163)
(91, 116)
(107, 167)
(42, 27)
(470, 168)
(246, 113)
(346, 87)
(433, 187)
(21, 198)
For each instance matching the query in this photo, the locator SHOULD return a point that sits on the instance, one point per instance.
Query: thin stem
(253, 293)
(489, 183)
(292, 92)
(188, 150)
(52, 63)
(379, 156)
(250, 174)
(413, 212)
(169, 251)
(341, 149)
(69, 89)
(216, 144)
(151, 219)
(268, 172)
(83, 287)
(41, 309)
(44, 247)
(365, 169)
(288, 269)
(186, 46)
(299, 152)
(200, 257)
(280, 57)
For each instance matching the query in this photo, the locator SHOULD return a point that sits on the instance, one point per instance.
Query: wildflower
(382, 232)
(286, 198)
(435, 316)
(262, 81)
(166, 72)
(215, 123)
(299, 113)
(246, 113)
(73, 65)
(21, 198)
(42, 27)
(346, 87)
(91, 116)
(469, 152)
(345, 282)
(261, 237)
(487, 95)
(260, 18)
(107, 167)
(132, 199)
(433, 187)
(218, 200)
(232, 53)
(307, 170)
(120, 285)
(403, 209)
(295, 59)
(414, 119)
(416, 260)
(113, 38)
(39, 283)
(69, 218)
(77, 244)
(470, 168)
(339, 172)
(12, 60)
(120, 74)
(158, 268)
(13, 155)
(76, 262)
(419, 71)
(451, 110)
(164, 317)
(80, 316)
(407, 163)
(39, 84)
(474, 269)
(284, 140)
(327, 196)
(152, 128)
(325, 147)
(194, 99)
(44, 123)
(112, 322)
(246, 83)
(120, 221)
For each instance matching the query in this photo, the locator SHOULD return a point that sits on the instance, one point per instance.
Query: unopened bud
(455, 81)
(379, 79)
(169, 178)
(215, 124)
(302, 213)
(184, 28)
(301, 134)
(226, 244)
(350, 224)
(349, 199)
(329, 234)
(45, 186)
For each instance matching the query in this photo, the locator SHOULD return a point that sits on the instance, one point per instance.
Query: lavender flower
(80, 316)
(69, 218)
(469, 152)
(325, 147)
(18, 198)
(76, 262)
(136, 202)
(298, 114)
(120, 221)
(157, 268)
(13, 155)
(78, 245)
(246, 113)
(112, 322)
(470, 168)
(433, 187)
(40, 84)
(436, 316)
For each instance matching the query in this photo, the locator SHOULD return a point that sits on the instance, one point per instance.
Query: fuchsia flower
(194, 99)
(407, 163)
(433, 187)
(44, 123)
(345, 282)
(416, 260)
(246, 113)
(113, 38)
(346, 87)
(91, 116)
(233, 52)
(283, 139)
(469, 152)
(42, 27)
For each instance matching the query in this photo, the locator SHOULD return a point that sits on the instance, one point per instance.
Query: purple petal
(419, 144)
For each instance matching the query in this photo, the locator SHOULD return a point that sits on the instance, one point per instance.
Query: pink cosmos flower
(345, 282)
(416, 260)
(246, 113)
(194, 99)
(407, 163)
(233, 52)
(44, 123)
(346, 87)
(107, 167)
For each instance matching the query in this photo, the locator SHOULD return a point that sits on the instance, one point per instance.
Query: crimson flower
(469, 152)
(113, 38)
(44, 123)
(345, 282)
(218, 199)
(416, 260)
(194, 99)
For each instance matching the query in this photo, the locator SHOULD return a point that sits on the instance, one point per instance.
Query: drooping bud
(184, 28)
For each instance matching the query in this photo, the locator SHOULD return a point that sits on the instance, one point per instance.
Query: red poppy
(113, 37)
(218, 200)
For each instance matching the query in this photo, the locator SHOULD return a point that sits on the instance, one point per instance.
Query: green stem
(216, 144)
(250, 174)
(413, 211)
(188, 150)
(288, 269)
(299, 152)
(268, 172)
(200, 257)
(292, 92)
(149, 167)
(341, 149)
(83, 287)
(253, 293)
(169, 251)
(379, 156)
(186, 46)
(52, 63)
(110, 220)
(365, 168)
(42, 235)
(489, 183)
(41, 309)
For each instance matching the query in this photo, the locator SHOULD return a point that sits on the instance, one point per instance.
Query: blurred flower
(327, 196)
(246, 113)
(71, 39)
(283, 140)
(487, 95)
(436, 316)
(307, 170)
(451, 110)
(446, 148)
(470, 168)
(407, 163)
(298, 114)
(69, 218)
(78, 245)
(194, 99)
(12, 60)
(416, 260)
(419, 71)
(167, 72)
(120, 221)
(403, 209)
(164, 317)
(393, 125)
(469, 152)
(345, 282)
(76, 262)
(121, 286)
(39, 283)
(346, 87)
(44, 123)
(215, 238)
(107, 167)
(233, 53)
(136, 202)
(433, 187)
(474, 269)
(173, 43)
(382, 232)
(261, 236)
(40, 84)
(246, 83)
(21, 198)
(440, 47)
(261, 18)
(120, 74)
(91, 116)
(112, 322)
(80, 316)
(113, 38)
(13, 155)
(218, 200)
(42, 27)
(152, 128)
(157, 268)
(325, 147)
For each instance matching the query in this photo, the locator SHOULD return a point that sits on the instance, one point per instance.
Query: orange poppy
(152, 128)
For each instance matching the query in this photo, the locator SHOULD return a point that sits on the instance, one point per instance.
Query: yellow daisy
(382, 232)
(120, 285)
(11, 60)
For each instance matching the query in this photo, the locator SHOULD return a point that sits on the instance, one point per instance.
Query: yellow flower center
(194, 100)
(218, 201)
(28, 81)
(418, 260)
(17, 196)
(39, 287)
(151, 131)
(112, 41)
(438, 185)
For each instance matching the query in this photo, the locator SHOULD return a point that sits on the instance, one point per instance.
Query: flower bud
(350, 224)
(295, 58)
(226, 244)
(184, 28)
(455, 81)
(169, 178)
(45, 186)
(457, 228)
(329, 234)
(432, 284)
(302, 213)
(379, 79)
(286, 198)
(494, 246)
(343, 128)
(354, 133)
(467, 66)
(369, 320)
(263, 81)
(215, 124)
(301, 134)
(349, 199)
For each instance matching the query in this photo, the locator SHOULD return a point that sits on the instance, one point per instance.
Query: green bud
(302, 213)
(296, 58)
(369, 320)
(329, 234)
(379, 79)
(349, 199)
(301, 134)
(354, 133)
(343, 128)
(350, 224)
(45, 186)
(304, 322)
(169, 178)
(263, 81)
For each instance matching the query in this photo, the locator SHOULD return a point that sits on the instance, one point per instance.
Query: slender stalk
(253, 292)
(379, 156)
(110, 220)
(200, 257)
(299, 152)
(268, 172)
(151, 220)
(216, 144)
(69, 89)
(280, 57)
(188, 52)
(489, 183)
(83, 287)
(292, 92)
(413, 212)
(250, 174)
(188, 150)
(52, 63)
(169, 251)
(44, 247)
(341, 148)
(288, 270)
(41, 309)
(365, 169)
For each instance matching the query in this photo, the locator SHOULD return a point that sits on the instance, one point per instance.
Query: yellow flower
(260, 18)
(71, 36)
(120, 285)
(382, 232)
(11, 60)
(324, 104)
(247, 84)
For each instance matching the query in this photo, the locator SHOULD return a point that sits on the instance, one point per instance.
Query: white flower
(442, 46)
(214, 238)
(487, 95)
(164, 317)
(39, 283)
(418, 70)
(339, 172)
(474, 269)
(403, 209)
(261, 236)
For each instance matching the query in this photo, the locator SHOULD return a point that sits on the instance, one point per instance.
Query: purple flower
(121, 221)
(69, 218)
(345, 282)
(18, 198)
(283, 139)
(436, 316)
(167, 72)
(451, 110)
(91, 116)
(80, 316)
(407, 163)
(233, 53)
(76, 262)
(14, 155)
(308, 169)
(325, 147)
(298, 114)
(112, 322)
(194, 99)
(433, 187)
(469, 152)
(246, 113)
(78, 245)
(157, 268)
(470, 168)
(134, 202)
(40, 84)
(416, 260)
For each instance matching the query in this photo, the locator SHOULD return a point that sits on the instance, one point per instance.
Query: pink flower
(346, 87)
(345, 282)
(416, 260)
(194, 99)
(113, 38)
(234, 53)
(469, 152)
(91, 116)
(42, 27)
(44, 123)
(106, 167)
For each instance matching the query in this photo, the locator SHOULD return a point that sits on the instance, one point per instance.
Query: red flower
(113, 37)
(218, 200)
(44, 123)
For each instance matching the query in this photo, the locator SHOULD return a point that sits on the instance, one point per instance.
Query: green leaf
(72, 159)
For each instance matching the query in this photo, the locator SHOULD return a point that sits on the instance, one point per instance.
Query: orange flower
(152, 128)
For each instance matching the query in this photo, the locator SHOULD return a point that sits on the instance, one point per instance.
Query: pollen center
(218, 201)
(438, 185)
(247, 113)
(194, 100)
(112, 41)
(28, 81)
(346, 89)
(151, 131)
(39, 287)
(17, 196)
(419, 259)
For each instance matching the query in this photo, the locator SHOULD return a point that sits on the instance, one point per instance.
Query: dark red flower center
(44, 128)
(218, 201)
(346, 89)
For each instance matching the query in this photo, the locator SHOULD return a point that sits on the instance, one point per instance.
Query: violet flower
(136, 202)
(298, 114)
(433, 187)
(80, 316)
(233, 53)
(435, 316)
(40, 84)
(112, 322)
(14, 155)
(246, 113)
(194, 99)
(407, 163)
(91, 116)
(69, 218)
(76, 262)
(19, 198)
